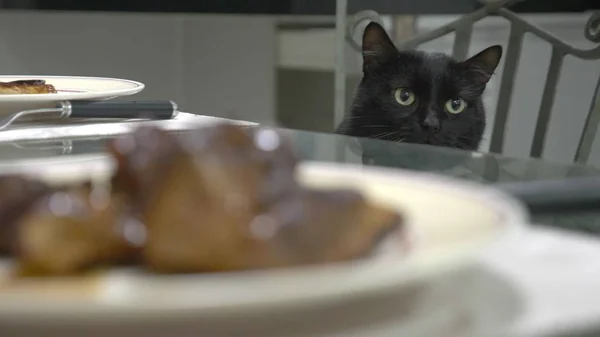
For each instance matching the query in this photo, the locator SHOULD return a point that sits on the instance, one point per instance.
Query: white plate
(453, 222)
(69, 88)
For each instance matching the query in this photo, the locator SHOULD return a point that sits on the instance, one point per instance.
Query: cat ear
(484, 64)
(377, 46)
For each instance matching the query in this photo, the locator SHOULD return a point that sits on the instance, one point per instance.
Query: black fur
(434, 79)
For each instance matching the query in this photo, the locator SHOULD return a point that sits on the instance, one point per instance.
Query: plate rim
(406, 273)
(15, 98)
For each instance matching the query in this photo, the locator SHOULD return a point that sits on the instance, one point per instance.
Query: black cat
(418, 97)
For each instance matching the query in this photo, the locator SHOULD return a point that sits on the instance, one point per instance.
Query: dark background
(315, 7)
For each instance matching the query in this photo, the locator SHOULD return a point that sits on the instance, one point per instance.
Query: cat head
(420, 97)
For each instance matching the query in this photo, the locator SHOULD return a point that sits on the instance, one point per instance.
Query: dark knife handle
(120, 109)
(571, 195)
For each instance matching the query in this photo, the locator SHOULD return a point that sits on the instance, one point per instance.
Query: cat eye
(455, 106)
(404, 96)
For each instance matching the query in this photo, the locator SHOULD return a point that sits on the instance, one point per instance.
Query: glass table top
(481, 167)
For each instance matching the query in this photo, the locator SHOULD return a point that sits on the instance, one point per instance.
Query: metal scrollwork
(592, 28)
(355, 22)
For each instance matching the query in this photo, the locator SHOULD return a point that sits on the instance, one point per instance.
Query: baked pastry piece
(26, 87)
(226, 198)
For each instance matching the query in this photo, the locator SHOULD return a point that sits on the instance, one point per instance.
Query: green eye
(455, 106)
(404, 96)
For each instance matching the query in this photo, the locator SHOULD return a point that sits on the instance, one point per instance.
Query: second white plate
(453, 221)
(68, 88)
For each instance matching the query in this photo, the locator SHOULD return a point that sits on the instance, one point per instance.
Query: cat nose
(431, 124)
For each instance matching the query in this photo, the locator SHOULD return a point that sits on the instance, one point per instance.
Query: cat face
(418, 97)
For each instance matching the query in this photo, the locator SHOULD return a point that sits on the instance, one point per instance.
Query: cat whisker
(393, 136)
(384, 134)
(375, 126)
(464, 138)
(463, 146)
(381, 135)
